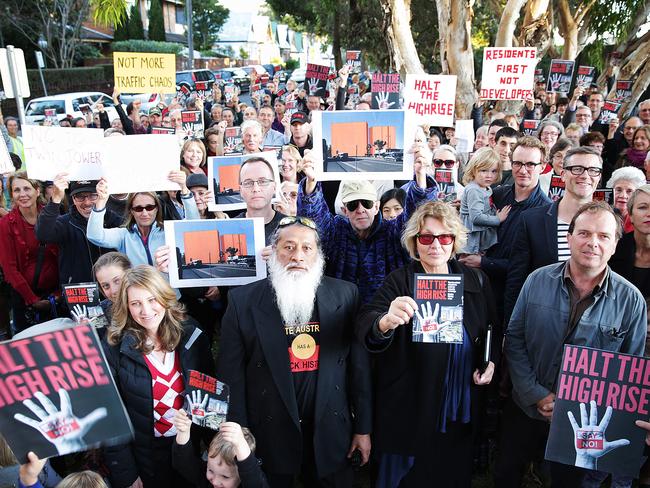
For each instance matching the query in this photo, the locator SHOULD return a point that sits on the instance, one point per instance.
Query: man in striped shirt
(541, 239)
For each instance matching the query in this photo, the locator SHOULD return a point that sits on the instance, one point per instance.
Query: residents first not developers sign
(145, 72)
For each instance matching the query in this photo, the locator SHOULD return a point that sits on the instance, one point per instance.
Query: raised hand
(382, 101)
(590, 442)
(312, 84)
(62, 428)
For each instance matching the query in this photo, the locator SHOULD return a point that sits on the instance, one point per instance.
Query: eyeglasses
(443, 239)
(142, 208)
(80, 197)
(529, 165)
(298, 220)
(352, 206)
(262, 183)
(578, 170)
(449, 163)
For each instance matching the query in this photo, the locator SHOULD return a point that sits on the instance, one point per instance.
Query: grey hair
(553, 123)
(247, 124)
(627, 173)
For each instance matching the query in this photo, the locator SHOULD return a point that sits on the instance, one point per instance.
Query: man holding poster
(582, 302)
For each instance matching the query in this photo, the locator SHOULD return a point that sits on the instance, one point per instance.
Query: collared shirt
(616, 321)
(578, 304)
(274, 138)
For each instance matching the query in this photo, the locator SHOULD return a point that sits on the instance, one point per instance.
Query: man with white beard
(298, 377)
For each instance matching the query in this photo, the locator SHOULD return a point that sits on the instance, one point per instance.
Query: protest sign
(446, 184)
(6, 166)
(623, 90)
(229, 92)
(363, 145)
(223, 179)
(609, 111)
(539, 75)
(316, 80)
(232, 140)
(556, 188)
(192, 123)
(508, 73)
(353, 60)
(141, 163)
(604, 194)
(431, 99)
(206, 400)
(57, 395)
(216, 252)
(599, 395)
(162, 130)
(83, 299)
(439, 313)
(560, 75)
(464, 135)
(385, 91)
(530, 126)
(53, 150)
(585, 76)
(145, 72)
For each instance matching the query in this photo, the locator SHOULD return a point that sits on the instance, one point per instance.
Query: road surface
(218, 271)
(366, 165)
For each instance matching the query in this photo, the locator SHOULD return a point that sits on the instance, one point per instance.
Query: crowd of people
(323, 369)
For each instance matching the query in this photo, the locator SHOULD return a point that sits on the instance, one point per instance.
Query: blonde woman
(428, 397)
(150, 346)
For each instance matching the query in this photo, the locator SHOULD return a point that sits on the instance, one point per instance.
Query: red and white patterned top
(167, 385)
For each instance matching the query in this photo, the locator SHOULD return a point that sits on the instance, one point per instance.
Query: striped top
(563, 252)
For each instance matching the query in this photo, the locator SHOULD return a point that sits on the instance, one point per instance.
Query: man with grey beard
(298, 377)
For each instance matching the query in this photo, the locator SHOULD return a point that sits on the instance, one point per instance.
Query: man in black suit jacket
(298, 377)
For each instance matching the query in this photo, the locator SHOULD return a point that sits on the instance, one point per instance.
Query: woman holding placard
(151, 346)
(29, 266)
(421, 375)
(142, 232)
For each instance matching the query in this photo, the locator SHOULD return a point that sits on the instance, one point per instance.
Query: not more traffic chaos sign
(145, 72)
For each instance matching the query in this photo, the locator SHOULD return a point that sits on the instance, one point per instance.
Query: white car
(148, 100)
(67, 104)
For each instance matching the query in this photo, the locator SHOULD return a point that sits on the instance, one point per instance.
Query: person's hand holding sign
(400, 312)
(102, 194)
(590, 442)
(60, 185)
(62, 428)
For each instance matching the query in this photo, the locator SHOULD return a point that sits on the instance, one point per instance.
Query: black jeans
(521, 439)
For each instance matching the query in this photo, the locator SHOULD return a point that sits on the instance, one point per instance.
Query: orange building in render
(228, 178)
(353, 138)
(208, 246)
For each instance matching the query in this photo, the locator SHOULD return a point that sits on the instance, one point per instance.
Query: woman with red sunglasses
(437, 387)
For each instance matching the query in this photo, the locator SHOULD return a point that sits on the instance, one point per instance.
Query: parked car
(67, 104)
(298, 75)
(233, 75)
(186, 80)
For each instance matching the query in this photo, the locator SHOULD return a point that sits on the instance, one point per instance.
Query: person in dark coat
(150, 347)
(436, 388)
(76, 254)
(298, 377)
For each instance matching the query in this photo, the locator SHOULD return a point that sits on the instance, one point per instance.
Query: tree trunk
(568, 30)
(508, 23)
(635, 65)
(456, 55)
(336, 41)
(397, 24)
(537, 25)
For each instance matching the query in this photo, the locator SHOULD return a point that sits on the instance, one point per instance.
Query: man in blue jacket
(76, 254)
(361, 247)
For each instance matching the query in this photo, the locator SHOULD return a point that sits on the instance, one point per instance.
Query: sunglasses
(298, 220)
(142, 208)
(352, 206)
(449, 163)
(443, 239)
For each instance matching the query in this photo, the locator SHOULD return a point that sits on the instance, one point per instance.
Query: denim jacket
(616, 321)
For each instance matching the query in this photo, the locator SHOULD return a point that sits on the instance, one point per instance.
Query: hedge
(66, 80)
(140, 46)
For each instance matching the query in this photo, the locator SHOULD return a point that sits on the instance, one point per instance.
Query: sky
(385, 117)
(226, 226)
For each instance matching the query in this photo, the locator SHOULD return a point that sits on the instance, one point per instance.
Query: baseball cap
(196, 179)
(300, 117)
(155, 111)
(358, 190)
(83, 186)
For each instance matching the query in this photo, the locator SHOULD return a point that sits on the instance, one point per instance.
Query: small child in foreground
(231, 461)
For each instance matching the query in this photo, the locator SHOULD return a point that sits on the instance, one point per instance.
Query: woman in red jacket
(29, 266)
